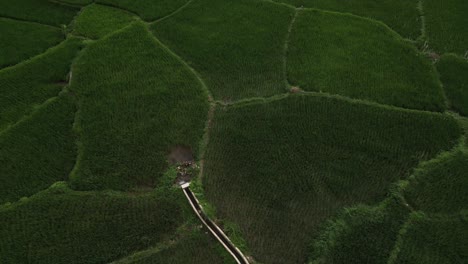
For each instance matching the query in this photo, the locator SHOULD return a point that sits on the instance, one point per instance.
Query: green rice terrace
(234, 131)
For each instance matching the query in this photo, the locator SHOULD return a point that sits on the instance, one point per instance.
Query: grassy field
(22, 40)
(359, 58)
(213, 36)
(41, 11)
(64, 226)
(96, 21)
(280, 173)
(453, 72)
(400, 15)
(360, 234)
(38, 151)
(30, 83)
(147, 10)
(427, 240)
(446, 25)
(440, 186)
(137, 101)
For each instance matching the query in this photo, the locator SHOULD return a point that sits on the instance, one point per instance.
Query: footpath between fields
(212, 227)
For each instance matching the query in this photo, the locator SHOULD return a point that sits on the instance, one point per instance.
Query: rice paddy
(312, 131)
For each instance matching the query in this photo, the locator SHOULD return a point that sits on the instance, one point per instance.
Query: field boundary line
(212, 227)
(173, 12)
(286, 48)
(422, 16)
(118, 7)
(192, 70)
(29, 21)
(259, 100)
(57, 2)
(33, 57)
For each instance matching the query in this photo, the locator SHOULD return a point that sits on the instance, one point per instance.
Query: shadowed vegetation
(22, 40)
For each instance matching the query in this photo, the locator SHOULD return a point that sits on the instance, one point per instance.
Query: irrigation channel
(214, 229)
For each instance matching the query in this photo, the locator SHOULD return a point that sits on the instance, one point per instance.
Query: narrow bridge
(212, 227)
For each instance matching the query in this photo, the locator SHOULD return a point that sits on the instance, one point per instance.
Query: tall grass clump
(30, 83)
(236, 46)
(281, 172)
(137, 101)
(64, 226)
(400, 15)
(453, 72)
(41, 11)
(22, 40)
(38, 151)
(360, 58)
(437, 239)
(147, 10)
(96, 21)
(446, 25)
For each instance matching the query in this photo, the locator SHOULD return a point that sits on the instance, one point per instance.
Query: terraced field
(312, 131)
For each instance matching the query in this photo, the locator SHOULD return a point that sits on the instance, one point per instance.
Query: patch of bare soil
(180, 154)
(433, 56)
(295, 89)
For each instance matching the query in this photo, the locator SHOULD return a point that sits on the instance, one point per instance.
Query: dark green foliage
(38, 151)
(76, 2)
(440, 186)
(31, 83)
(236, 46)
(137, 101)
(42, 11)
(63, 226)
(279, 169)
(195, 247)
(22, 40)
(148, 10)
(453, 72)
(446, 25)
(359, 58)
(361, 234)
(400, 15)
(440, 240)
(96, 21)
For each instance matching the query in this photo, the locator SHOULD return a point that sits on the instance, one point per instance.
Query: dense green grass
(400, 15)
(22, 40)
(446, 25)
(294, 162)
(440, 185)
(42, 11)
(361, 234)
(136, 102)
(194, 247)
(37, 151)
(64, 226)
(28, 84)
(359, 58)
(236, 46)
(96, 21)
(453, 72)
(148, 10)
(426, 240)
